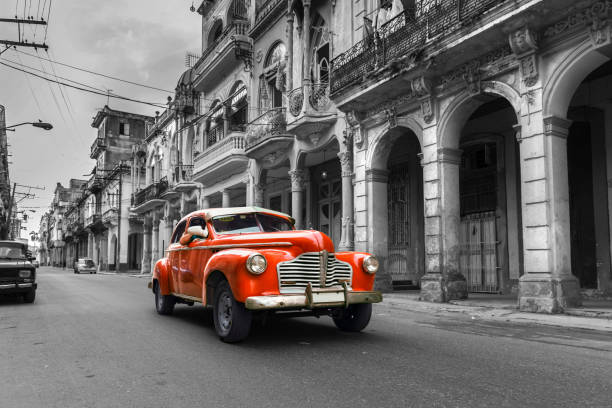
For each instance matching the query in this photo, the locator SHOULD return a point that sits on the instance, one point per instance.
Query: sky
(143, 41)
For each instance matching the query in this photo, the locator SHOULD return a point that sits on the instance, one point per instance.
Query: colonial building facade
(465, 143)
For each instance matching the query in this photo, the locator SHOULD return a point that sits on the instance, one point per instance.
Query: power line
(157, 105)
(96, 73)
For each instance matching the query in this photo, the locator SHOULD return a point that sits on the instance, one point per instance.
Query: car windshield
(10, 250)
(252, 222)
(86, 262)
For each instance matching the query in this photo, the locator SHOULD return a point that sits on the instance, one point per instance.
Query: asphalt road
(96, 341)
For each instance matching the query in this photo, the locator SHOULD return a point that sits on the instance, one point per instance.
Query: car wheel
(164, 304)
(29, 296)
(232, 319)
(355, 318)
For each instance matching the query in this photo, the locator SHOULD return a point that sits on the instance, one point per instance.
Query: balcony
(150, 196)
(401, 42)
(225, 157)
(97, 147)
(95, 184)
(111, 217)
(265, 14)
(267, 136)
(314, 116)
(221, 57)
(93, 222)
(182, 178)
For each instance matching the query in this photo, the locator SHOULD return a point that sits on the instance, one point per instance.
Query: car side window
(197, 221)
(178, 232)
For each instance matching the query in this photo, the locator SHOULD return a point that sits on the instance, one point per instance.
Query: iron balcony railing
(271, 123)
(214, 135)
(151, 192)
(236, 27)
(404, 35)
(266, 8)
(182, 173)
(318, 98)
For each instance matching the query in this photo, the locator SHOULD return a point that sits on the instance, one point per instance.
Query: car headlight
(370, 264)
(256, 264)
(25, 273)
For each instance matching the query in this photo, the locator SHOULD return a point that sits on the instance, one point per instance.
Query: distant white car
(85, 265)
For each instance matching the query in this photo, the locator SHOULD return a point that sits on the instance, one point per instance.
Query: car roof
(8, 241)
(215, 212)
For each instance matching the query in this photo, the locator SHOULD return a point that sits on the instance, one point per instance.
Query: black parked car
(17, 273)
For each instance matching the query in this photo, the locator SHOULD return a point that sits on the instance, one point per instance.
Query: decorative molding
(488, 64)
(594, 17)
(420, 86)
(518, 133)
(555, 126)
(353, 119)
(377, 175)
(523, 43)
(471, 76)
(391, 116)
(449, 155)
(427, 109)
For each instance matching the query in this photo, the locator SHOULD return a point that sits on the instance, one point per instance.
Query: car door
(194, 261)
(174, 257)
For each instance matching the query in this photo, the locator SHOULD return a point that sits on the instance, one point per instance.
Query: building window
(272, 81)
(124, 129)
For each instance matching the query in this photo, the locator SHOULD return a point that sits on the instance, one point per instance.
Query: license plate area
(321, 297)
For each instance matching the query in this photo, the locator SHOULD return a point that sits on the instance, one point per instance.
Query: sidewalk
(594, 315)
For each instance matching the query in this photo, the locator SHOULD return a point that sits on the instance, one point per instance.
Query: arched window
(214, 124)
(320, 48)
(272, 81)
(215, 33)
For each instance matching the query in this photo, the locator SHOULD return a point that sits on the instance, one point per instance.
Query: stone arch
(463, 105)
(302, 150)
(563, 82)
(374, 156)
(215, 31)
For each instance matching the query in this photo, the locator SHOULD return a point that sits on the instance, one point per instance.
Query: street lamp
(39, 124)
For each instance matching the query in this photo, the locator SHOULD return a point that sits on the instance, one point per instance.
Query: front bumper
(313, 298)
(17, 287)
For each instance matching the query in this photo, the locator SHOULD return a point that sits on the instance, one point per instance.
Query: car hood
(307, 241)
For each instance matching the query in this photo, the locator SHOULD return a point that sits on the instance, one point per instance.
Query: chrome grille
(294, 275)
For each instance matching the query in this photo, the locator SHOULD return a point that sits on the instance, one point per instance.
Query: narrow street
(96, 341)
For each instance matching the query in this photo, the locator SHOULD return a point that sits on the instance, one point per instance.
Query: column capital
(298, 179)
(449, 155)
(346, 163)
(556, 126)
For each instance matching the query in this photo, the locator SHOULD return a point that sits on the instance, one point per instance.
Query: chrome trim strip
(10, 286)
(228, 246)
(24, 285)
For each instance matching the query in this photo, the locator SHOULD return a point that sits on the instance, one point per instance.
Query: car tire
(164, 304)
(232, 320)
(355, 318)
(29, 296)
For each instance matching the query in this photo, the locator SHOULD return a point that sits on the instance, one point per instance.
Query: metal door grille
(398, 190)
(478, 252)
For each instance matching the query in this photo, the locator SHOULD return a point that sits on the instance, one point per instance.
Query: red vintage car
(250, 260)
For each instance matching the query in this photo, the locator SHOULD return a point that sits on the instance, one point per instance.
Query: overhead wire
(96, 73)
(112, 95)
(32, 91)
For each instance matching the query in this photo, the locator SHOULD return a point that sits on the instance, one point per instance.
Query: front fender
(161, 274)
(232, 264)
(361, 279)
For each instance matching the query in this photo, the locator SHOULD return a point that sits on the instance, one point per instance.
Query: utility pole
(20, 42)
(9, 220)
(118, 249)
(5, 187)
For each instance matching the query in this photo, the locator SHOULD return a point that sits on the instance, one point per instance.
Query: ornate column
(346, 164)
(455, 284)
(154, 241)
(258, 194)
(205, 201)
(547, 284)
(145, 264)
(298, 179)
(225, 199)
